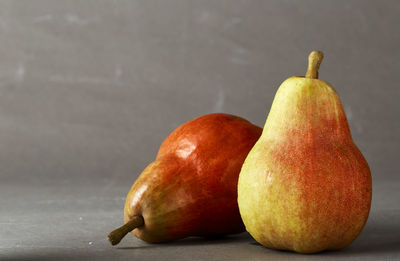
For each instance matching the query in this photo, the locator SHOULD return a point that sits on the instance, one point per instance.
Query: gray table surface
(89, 89)
(66, 222)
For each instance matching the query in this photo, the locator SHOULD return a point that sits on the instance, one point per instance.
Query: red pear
(191, 187)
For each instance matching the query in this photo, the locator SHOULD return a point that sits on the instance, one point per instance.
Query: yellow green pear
(305, 186)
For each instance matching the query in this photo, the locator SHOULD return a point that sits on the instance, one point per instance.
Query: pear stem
(314, 61)
(118, 234)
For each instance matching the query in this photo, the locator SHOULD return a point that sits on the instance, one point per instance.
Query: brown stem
(115, 236)
(314, 61)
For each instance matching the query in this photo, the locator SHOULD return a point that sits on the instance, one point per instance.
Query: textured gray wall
(89, 89)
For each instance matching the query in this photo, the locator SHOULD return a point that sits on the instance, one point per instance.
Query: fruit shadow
(197, 241)
(379, 236)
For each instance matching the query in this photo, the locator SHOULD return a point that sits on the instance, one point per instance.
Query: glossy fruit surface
(191, 187)
(305, 186)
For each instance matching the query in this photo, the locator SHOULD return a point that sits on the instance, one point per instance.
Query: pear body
(191, 187)
(305, 186)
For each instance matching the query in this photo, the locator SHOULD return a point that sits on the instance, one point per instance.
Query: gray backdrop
(89, 89)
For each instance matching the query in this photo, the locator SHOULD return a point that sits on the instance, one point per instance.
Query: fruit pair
(304, 186)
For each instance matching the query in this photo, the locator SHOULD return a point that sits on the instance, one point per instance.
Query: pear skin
(305, 186)
(191, 187)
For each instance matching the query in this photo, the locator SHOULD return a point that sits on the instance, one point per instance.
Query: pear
(191, 187)
(305, 186)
